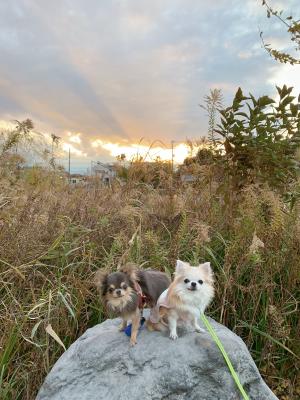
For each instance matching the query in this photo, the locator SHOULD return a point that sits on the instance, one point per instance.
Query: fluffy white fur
(188, 295)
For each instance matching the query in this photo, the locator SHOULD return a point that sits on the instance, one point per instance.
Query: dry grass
(53, 238)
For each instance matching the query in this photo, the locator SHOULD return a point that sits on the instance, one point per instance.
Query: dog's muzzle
(193, 286)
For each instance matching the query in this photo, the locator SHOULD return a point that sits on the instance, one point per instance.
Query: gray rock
(101, 365)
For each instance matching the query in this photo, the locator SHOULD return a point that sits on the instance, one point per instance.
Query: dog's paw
(121, 327)
(133, 342)
(199, 330)
(150, 326)
(173, 336)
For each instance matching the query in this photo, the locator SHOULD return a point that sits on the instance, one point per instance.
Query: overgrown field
(54, 237)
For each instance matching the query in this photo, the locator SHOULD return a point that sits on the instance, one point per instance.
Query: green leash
(222, 350)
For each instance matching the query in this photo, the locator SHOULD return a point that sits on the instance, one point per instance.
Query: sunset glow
(103, 76)
(148, 153)
(77, 152)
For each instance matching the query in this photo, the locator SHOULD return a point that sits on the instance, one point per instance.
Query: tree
(293, 28)
(121, 157)
(55, 142)
(261, 138)
(213, 101)
(21, 133)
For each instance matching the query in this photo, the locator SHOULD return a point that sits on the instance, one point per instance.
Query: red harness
(141, 296)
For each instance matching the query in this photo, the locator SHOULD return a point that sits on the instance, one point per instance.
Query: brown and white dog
(187, 297)
(126, 291)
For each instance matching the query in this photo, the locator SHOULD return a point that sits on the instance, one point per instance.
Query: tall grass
(54, 237)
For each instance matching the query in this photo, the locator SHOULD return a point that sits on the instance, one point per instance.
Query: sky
(111, 77)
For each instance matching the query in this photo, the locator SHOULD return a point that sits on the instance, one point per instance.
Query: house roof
(77, 176)
(101, 166)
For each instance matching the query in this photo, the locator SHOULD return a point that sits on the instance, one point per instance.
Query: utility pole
(69, 165)
(172, 162)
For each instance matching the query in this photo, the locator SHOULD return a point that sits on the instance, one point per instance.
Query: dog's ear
(180, 267)
(206, 268)
(100, 279)
(130, 270)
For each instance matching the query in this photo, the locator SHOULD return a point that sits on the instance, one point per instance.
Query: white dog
(186, 298)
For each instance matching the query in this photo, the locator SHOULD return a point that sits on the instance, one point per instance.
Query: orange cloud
(149, 153)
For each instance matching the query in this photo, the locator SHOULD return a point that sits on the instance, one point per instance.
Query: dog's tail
(160, 326)
(159, 323)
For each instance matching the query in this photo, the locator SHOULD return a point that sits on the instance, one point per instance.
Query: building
(187, 178)
(77, 179)
(105, 172)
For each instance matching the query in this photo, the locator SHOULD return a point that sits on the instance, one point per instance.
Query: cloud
(286, 75)
(74, 138)
(68, 146)
(148, 153)
(119, 71)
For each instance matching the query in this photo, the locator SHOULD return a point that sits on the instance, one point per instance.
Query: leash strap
(142, 297)
(225, 355)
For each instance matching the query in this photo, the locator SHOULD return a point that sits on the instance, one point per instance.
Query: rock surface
(101, 365)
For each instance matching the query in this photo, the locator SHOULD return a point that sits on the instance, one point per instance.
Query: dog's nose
(118, 292)
(193, 284)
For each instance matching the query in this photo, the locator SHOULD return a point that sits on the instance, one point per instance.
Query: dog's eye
(200, 281)
(110, 290)
(186, 280)
(124, 287)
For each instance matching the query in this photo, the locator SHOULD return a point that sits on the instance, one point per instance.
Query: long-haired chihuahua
(187, 297)
(125, 292)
